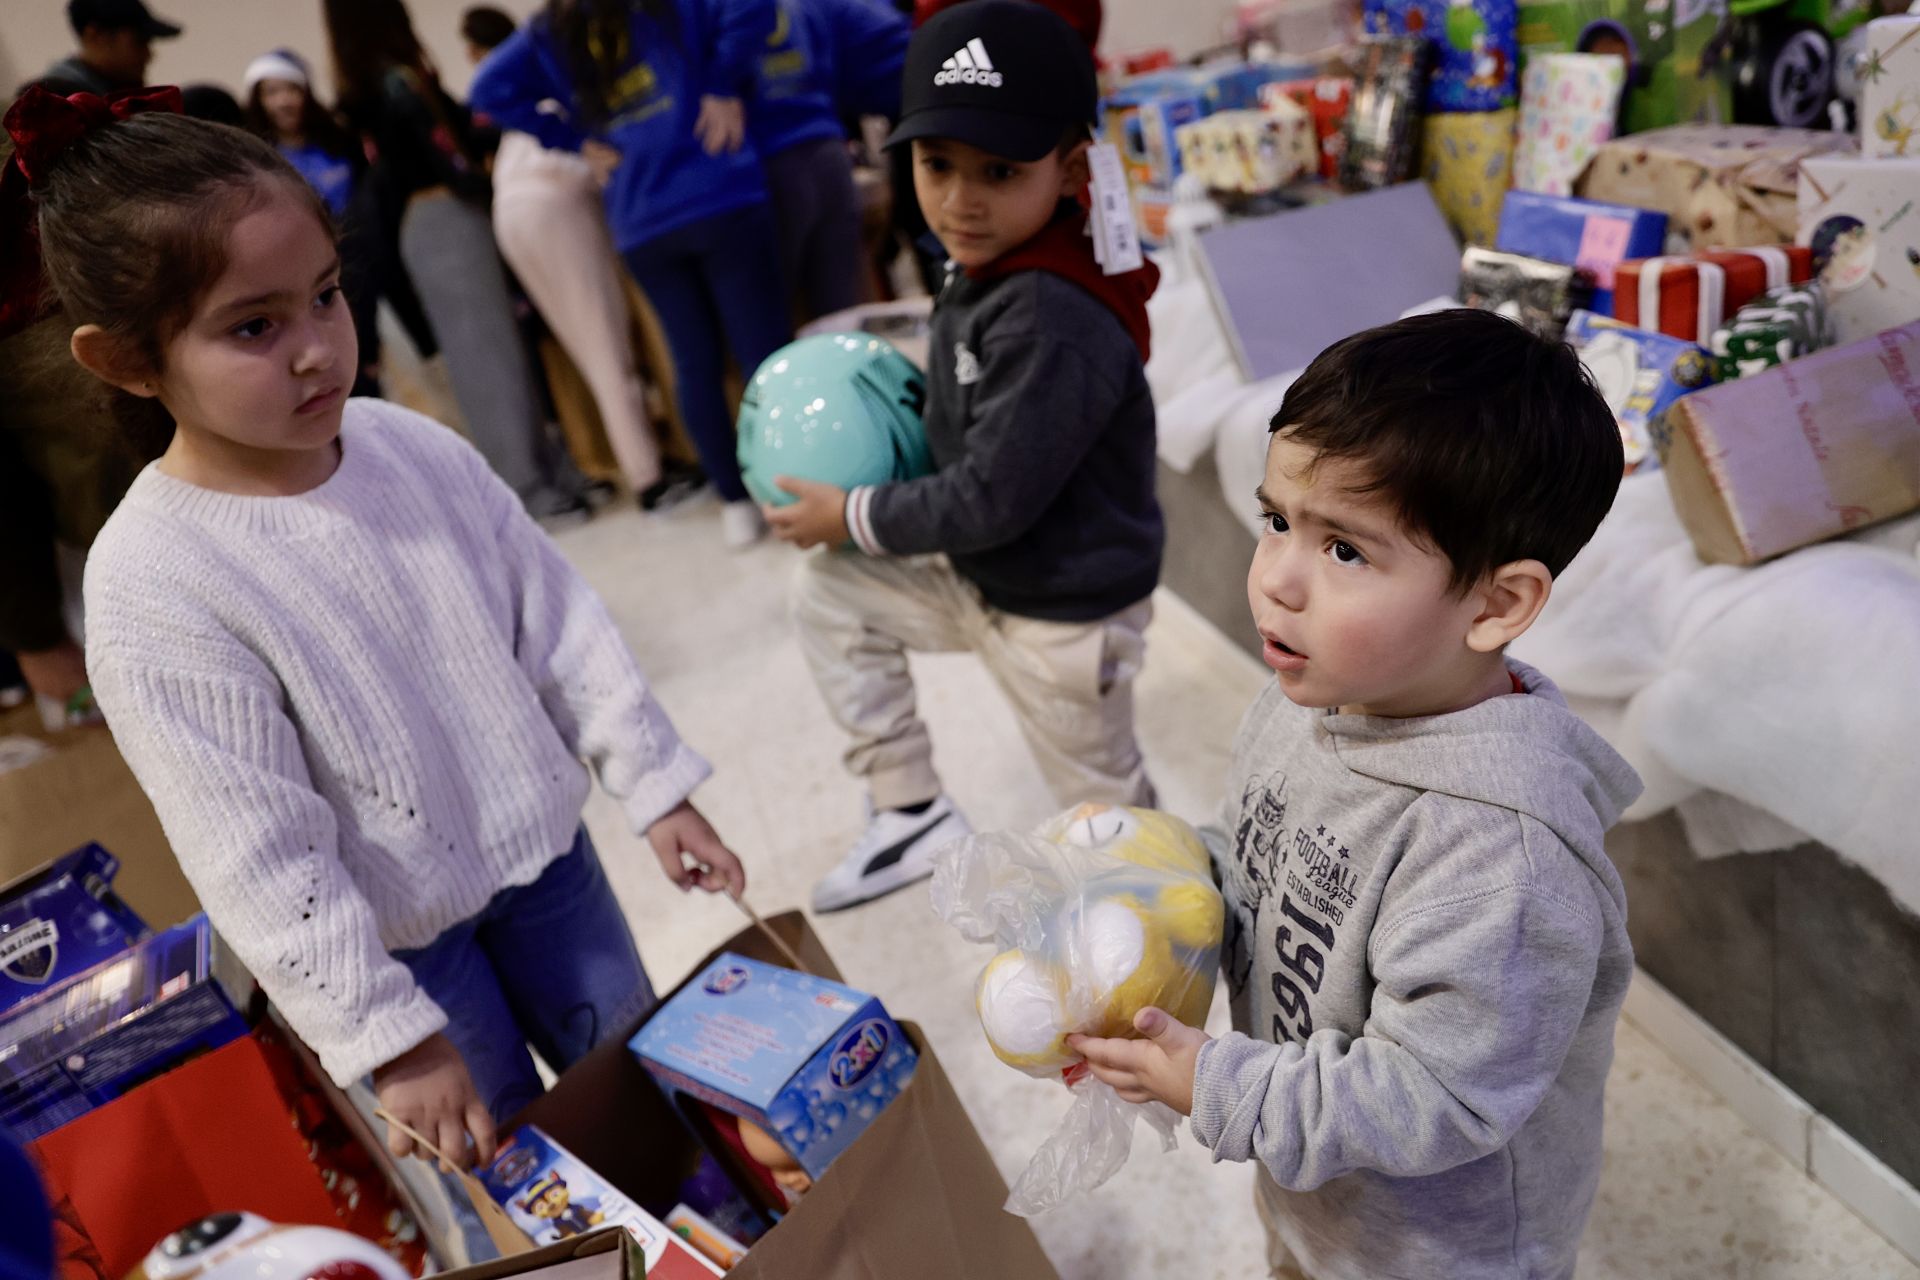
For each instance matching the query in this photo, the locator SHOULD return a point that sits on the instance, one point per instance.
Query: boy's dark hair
(486, 27)
(1491, 442)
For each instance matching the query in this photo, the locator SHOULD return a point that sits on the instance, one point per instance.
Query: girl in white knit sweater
(356, 679)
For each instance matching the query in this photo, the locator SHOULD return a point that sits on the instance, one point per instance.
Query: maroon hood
(1063, 248)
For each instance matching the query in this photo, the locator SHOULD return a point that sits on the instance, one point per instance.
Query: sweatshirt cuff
(1231, 1078)
(664, 787)
(860, 520)
(386, 1033)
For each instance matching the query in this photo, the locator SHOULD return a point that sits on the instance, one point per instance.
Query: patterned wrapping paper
(1718, 184)
(1327, 99)
(1467, 158)
(1890, 89)
(1540, 295)
(1567, 106)
(1692, 297)
(1780, 325)
(1861, 218)
(1383, 126)
(1475, 47)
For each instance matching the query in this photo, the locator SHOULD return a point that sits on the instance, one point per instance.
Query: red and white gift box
(1691, 297)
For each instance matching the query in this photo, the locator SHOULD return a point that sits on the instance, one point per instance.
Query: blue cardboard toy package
(1639, 374)
(808, 1060)
(62, 920)
(1475, 47)
(1584, 233)
(143, 1012)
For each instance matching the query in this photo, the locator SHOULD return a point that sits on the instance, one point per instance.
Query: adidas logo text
(969, 65)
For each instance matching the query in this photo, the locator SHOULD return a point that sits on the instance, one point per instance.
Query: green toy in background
(1675, 51)
(1783, 68)
(840, 408)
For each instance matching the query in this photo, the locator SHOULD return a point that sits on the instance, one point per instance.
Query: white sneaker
(895, 850)
(741, 525)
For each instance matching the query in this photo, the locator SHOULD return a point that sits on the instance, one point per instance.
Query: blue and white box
(62, 920)
(810, 1061)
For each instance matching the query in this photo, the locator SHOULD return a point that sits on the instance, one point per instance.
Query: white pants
(551, 224)
(1071, 684)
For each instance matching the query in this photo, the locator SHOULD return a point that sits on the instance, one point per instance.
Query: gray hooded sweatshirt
(1426, 952)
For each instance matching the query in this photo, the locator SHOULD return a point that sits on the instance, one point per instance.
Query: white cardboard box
(1862, 219)
(1890, 89)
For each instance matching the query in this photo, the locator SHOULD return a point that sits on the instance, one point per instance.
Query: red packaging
(1327, 99)
(1136, 64)
(1691, 297)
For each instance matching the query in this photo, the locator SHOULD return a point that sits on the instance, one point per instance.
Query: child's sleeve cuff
(860, 520)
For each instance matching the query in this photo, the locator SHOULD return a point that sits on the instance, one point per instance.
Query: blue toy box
(1639, 374)
(62, 920)
(1476, 47)
(808, 1060)
(1582, 233)
(102, 1033)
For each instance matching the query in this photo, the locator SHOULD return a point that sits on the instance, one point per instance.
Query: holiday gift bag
(1890, 89)
(1467, 158)
(1692, 297)
(1567, 107)
(1718, 184)
(1861, 218)
(1814, 448)
(1474, 47)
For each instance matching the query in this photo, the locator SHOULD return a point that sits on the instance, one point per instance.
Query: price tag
(1116, 240)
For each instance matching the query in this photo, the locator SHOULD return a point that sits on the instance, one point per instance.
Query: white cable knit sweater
(361, 712)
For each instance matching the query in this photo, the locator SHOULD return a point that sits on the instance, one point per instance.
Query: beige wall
(222, 36)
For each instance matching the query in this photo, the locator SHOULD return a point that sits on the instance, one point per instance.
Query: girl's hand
(601, 158)
(817, 517)
(427, 1088)
(722, 125)
(1157, 1069)
(691, 853)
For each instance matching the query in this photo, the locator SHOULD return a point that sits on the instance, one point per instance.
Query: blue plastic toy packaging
(1475, 47)
(1640, 375)
(60, 921)
(808, 1060)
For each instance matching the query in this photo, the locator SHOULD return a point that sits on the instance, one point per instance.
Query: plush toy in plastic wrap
(1100, 913)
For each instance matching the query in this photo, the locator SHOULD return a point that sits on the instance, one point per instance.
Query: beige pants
(1071, 684)
(1281, 1262)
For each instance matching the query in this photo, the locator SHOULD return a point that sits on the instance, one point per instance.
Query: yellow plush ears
(1144, 837)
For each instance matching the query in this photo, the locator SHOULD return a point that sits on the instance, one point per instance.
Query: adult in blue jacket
(826, 60)
(654, 92)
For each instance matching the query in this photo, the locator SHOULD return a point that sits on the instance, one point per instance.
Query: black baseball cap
(119, 15)
(1007, 76)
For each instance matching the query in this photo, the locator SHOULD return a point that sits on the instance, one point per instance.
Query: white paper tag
(1112, 212)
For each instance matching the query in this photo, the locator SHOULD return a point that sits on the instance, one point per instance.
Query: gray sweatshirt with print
(1426, 952)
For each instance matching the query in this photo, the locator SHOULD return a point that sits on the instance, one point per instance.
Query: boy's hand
(819, 514)
(691, 853)
(427, 1088)
(1157, 1069)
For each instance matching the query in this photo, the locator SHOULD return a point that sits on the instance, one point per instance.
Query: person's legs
(566, 958)
(1071, 684)
(672, 280)
(819, 215)
(741, 265)
(454, 970)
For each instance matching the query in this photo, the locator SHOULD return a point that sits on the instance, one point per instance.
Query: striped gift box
(1691, 297)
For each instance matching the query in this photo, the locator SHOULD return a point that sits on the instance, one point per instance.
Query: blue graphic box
(1581, 233)
(62, 920)
(808, 1060)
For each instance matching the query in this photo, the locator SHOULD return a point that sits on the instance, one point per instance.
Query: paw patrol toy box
(808, 1060)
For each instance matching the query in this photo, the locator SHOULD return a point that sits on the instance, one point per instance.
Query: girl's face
(284, 102)
(268, 356)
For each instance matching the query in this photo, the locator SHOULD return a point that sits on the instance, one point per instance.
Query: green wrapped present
(1782, 324)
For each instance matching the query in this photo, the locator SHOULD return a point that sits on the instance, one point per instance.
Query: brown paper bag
(1814, 448)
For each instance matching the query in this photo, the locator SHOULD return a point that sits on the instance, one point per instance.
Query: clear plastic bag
(1101, 912)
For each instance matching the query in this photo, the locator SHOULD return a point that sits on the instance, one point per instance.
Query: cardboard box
(917, 1196)
(1475, 49)
(1584, 233)
(84, 793)
(810, 1061)
(1861, 219)
(1467, 158)
(1692, 297)
(1812, 449)
(1890, 89)
(1250, 152)
(61, 920)
(1719, 185)
(1568, 103)
(604, 1254)
(103, 1033)
(1640, 374)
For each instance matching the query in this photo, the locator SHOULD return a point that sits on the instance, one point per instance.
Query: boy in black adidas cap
(1036, 543)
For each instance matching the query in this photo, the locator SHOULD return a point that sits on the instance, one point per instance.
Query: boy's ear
(108, 359)
(1510, 599)
(1075, 171)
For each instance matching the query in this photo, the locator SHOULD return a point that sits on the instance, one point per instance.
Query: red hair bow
(44, 124)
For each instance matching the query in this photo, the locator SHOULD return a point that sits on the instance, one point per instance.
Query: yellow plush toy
(1127, 918)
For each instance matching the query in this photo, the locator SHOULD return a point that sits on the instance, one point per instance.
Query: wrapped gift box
(1467, 158)
(1692, 297)
(1567, 107)
(1890, 89)
(1327, 99)
(1586, 233)
(1780, 325)
(1540, 295)
(1639, 373)
(1861, 218)
(1719, 185)
(1475, 49)
(1250, 152)
(1383, 126)
(1807, 451)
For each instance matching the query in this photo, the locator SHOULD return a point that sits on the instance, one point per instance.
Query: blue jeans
(550, 964)
(716, 284)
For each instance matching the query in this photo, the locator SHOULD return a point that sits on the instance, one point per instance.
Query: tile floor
(1688, 1190)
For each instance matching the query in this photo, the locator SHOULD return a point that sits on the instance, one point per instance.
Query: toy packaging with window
(1098, 914)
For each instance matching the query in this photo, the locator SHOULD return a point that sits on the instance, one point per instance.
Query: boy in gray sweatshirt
(1426, 943)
